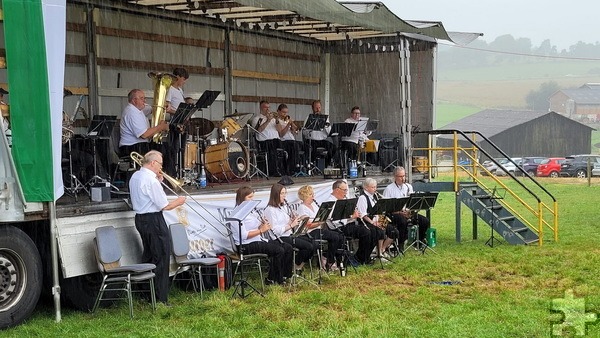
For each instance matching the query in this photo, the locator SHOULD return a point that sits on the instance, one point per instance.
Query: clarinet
(270, 233)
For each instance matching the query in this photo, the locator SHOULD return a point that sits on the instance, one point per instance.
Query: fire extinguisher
(221, 269)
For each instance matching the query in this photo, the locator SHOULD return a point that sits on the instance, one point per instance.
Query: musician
(267, 137)
(135, 127)
(319, 138)
(350, 227)
(4, 119)
(283, 221)
(255, 240)
(148, 200)
(351, 143)
(382, 238)
(400, 188)
(175, 94)
(317, 230)
(287, 130)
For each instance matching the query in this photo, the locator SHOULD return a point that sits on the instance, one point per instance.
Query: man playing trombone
(148, 200)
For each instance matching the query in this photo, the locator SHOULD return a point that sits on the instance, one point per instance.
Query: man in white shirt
(135, 127)
(148, 200)
(400, 188)
(351, 143)
(318, 138)
(267, 137)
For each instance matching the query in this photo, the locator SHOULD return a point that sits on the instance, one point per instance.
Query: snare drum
(231, 126)
(227, 161)
(190, 155)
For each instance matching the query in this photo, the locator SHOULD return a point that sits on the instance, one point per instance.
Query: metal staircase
(487, 206)
(520, 214)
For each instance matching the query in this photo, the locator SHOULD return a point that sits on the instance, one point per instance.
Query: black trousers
(328, 146)
(293, 161)
(335, 241)
(401, 223)
(363, 234)
(351, 150)
(157, 249)
(141, 148)
(271, 146)
(306, 248)
(280, 257)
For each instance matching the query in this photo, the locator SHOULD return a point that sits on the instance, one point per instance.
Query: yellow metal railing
(538, 209)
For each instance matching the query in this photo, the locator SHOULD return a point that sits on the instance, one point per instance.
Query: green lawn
(504, 291)
(450, 112)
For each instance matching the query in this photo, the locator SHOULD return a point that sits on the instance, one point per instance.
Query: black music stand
(416, 202)
(101, 127)
(386, 207)
(298, 231)
(369, 126)
(314, 122)
(178, 124)
(238, 215)
(343, 209)
(207, 98)
(324, 211)
(339, 130)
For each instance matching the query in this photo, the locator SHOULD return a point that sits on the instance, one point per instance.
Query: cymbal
(236, 114)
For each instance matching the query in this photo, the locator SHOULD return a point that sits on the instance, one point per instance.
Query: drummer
(287, 134)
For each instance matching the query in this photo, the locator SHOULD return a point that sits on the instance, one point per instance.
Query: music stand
(314, 122)
(183, 113)
(386, 207)
(416, 202)
(101, 127)
(297, 232)
(369, 127)
(343, 209)
(339, 130)
(238, 215)
(207, 98)
(324, 211)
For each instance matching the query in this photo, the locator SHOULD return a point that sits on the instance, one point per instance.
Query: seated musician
(351, 227)
(380, 236)
(318, 230)
(351, 143)
(318, 138)
(283, 220)
(287, 130)
(267, 137)
(400, 188)
(255, 240)
(135, 127)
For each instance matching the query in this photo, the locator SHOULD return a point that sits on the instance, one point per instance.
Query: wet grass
(504, 291)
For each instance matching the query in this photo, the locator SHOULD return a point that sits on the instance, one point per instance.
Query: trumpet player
(284, 221)
(148, 200)
(382, 236)
(400, 188)
(288, 130)
(254, 230)
(267, 137)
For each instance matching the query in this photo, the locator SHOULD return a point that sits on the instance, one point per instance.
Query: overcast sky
(563, 22)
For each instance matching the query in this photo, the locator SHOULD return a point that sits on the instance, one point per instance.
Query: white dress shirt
(394, 190)
(317, 135)
(175, 97)
(133, 125)
(311, 212)
(270, 131)
(251, 222)
(147, 194)
(288, 136)
(279, 219)
(356, 134)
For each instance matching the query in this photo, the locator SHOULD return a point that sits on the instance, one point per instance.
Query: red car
(550, 167)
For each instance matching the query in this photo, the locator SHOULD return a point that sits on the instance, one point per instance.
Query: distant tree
(538, 99)
(546, 48)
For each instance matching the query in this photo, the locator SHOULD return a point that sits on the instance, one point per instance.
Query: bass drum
(227, 161)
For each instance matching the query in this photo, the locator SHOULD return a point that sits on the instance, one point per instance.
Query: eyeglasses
(158, 162)
(141, 98)
(344, 190)
(400, 175)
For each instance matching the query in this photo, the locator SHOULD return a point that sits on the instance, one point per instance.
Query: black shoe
(270, 282)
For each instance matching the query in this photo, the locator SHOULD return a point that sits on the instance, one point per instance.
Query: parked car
(491, 166)
(550, 167)
(530, 165)
(508, 166)
(596, 170)
(577, 165)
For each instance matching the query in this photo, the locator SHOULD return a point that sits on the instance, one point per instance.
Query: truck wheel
(80, 292)
(20, 276)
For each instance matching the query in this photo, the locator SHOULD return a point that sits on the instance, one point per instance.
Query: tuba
(162, 83)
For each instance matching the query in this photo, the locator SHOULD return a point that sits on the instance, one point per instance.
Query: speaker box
(388, 153)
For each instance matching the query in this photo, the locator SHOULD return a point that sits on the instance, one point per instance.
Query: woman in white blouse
(279, 213)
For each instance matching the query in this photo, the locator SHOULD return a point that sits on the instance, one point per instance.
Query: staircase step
(506, 219)
(520, 229)
(482, 197)
(495, 207)
(532, 241)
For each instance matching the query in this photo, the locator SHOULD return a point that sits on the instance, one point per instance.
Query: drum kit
(222, 153)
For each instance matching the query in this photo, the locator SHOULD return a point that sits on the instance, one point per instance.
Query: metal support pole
(54, 255)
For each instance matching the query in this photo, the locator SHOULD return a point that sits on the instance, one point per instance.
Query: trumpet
(138, 159)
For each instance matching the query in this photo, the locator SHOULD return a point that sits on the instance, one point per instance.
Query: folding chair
(181, 248)
(117, 277)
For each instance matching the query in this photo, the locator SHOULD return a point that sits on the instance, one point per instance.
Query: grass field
(504, 291)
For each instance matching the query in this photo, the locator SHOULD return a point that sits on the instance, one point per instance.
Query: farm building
(525, 133)
(581, 104)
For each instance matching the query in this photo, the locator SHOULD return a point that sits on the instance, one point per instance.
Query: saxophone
(162, 83)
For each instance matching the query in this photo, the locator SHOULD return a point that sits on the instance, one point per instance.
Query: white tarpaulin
(205, 226)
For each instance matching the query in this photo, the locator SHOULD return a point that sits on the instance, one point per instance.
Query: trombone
(138, 159)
